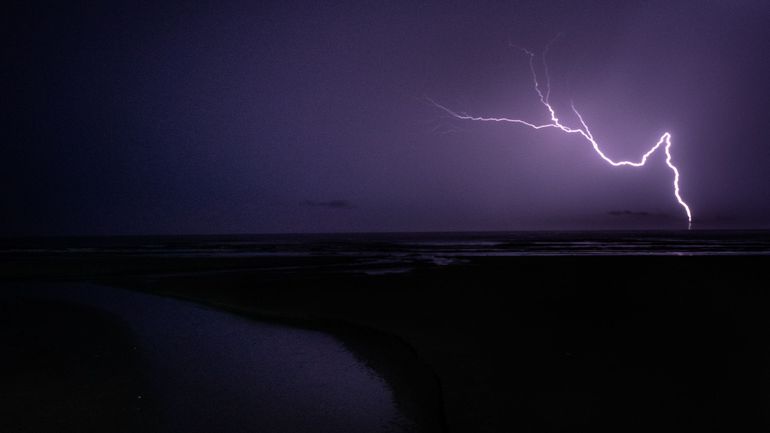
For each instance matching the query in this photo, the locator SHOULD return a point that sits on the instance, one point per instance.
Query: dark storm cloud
(624, 213)
(332, 204)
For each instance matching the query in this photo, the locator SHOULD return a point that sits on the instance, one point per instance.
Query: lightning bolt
(583, 131)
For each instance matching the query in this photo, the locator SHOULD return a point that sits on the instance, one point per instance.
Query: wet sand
(604, 344)
(500, 344)
(92, 358)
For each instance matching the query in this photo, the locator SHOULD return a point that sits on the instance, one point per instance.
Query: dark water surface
(681, 242)
(376, 253)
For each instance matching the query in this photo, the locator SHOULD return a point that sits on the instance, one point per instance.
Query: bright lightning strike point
(664, 140)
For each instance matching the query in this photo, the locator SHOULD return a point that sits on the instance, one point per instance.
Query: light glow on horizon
(583, 130)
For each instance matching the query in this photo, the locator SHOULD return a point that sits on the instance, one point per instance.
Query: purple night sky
(134, 117)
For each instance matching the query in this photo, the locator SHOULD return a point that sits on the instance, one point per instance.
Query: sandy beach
(497, 344)
(82, 357)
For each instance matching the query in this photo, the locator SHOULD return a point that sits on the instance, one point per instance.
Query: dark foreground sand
(68, 367)
(84, 358)
(514, 344)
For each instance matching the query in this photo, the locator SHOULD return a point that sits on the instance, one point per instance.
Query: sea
(439, 248)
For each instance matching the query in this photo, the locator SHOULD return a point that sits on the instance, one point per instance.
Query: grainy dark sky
(226, 117)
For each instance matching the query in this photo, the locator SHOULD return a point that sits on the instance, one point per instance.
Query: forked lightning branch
(664, 141)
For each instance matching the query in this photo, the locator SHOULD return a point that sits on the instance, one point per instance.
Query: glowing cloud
(664, 140)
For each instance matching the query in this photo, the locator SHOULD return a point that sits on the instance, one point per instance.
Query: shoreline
(387, 358)
(545, 344)
(390, 356)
